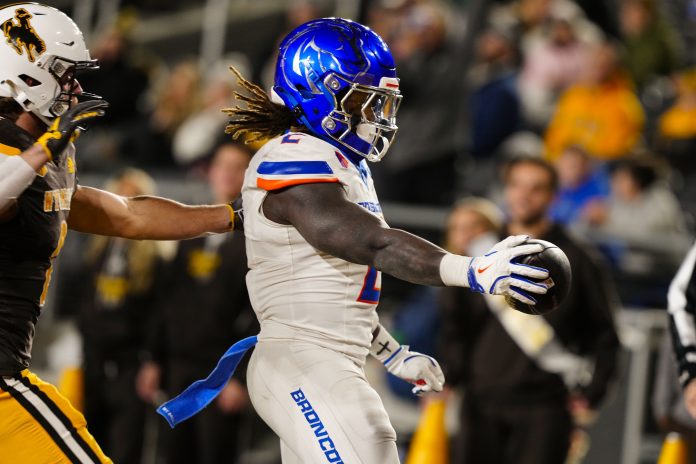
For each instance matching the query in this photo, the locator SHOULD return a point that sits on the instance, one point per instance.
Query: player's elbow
(130, 229)
(131, 225)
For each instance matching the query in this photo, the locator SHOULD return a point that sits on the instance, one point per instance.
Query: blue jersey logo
(371, 206)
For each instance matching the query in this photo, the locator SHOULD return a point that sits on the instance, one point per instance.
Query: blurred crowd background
(596, 97)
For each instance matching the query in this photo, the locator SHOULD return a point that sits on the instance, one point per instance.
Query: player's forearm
(409, 258)
(99, 212)
(155, 218)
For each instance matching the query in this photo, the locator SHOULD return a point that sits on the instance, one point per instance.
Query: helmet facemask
(65, 72)
(364, 119)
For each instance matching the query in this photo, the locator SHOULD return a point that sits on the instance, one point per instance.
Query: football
(556, 262)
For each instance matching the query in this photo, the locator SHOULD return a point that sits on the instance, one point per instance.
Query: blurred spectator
(682, 15)
(550, 66)
(602, 114)
(473, 227)
(420, 168)
(176, 100)
(122, 81)
(495, 108)
(679, 121)
(601, 13)
(651, 47)
(531, 19)
(116, 304)
(202, 308)
(196, 136)
(119, 80)
(297, 13)
(528, 381)
(581, 182)
(639, 208)
(677, 127)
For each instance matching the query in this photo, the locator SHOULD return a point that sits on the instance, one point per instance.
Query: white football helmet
(41, 51)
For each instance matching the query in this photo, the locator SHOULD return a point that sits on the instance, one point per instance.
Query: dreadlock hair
(260, 118)
(10, 109)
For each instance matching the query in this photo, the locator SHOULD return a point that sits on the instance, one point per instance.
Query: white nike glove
(418, 369)
(496, 272)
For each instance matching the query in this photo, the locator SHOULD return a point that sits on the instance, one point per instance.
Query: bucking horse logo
(22, 36)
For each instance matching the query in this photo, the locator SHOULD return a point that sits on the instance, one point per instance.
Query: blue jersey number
(291, 138)
(370, 291)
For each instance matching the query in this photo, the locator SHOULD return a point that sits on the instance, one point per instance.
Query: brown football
(556, 262)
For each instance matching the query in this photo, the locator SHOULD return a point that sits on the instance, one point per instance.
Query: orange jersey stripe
(277, 184)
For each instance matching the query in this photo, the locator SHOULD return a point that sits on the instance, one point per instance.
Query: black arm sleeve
(682, 317)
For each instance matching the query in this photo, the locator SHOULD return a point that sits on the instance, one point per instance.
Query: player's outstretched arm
(145, 217)
(331, 223)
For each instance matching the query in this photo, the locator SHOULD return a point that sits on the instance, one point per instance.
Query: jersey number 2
(370, 291)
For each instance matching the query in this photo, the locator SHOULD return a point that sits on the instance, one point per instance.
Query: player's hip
(319, 403)
(37, 424)
(345, 341)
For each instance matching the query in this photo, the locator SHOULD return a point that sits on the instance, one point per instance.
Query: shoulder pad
(295, 158)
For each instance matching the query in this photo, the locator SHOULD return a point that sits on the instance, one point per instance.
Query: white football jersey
(298, 292)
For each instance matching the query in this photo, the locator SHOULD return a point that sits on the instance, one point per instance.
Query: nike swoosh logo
(481, 270)
(69, 44)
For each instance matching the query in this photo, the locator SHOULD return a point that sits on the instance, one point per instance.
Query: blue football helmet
(340, 79)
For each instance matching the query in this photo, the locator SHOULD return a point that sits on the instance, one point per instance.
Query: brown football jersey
(29, 242)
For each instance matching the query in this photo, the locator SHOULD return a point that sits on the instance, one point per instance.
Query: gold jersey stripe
(8, 150)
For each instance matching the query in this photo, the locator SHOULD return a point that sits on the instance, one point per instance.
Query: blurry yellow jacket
(678, 123)
(605, 119)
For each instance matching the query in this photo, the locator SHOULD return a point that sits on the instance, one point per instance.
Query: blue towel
(200, 393)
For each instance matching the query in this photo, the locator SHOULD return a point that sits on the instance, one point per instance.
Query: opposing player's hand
(67, 127)
(419, 369)
(497, 273)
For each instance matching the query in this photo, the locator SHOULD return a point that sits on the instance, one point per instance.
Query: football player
(41, 52)
(317, 243)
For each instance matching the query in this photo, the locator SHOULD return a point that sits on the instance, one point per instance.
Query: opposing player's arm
(331, 223)
(145, 217)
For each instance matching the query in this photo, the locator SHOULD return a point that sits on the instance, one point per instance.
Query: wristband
(384, 347)
(231, 223)
(454, 270)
